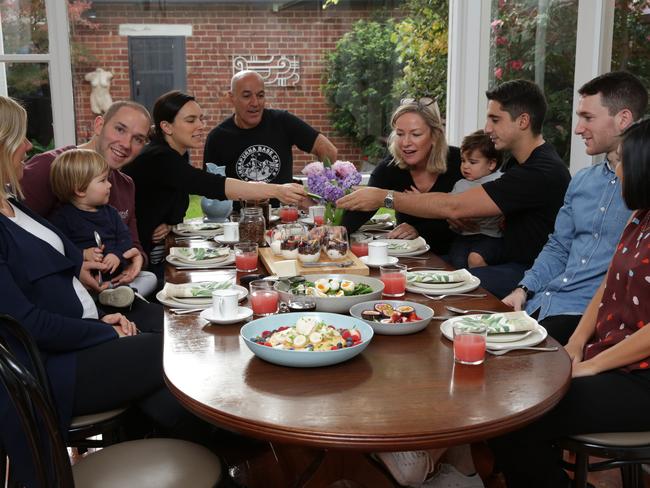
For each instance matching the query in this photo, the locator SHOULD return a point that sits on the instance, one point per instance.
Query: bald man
(254, 144)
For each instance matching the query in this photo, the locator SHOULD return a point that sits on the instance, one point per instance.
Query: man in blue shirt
(574, 260)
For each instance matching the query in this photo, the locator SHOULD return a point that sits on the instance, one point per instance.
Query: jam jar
(252, 225)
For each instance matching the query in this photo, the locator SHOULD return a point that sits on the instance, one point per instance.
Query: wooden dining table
(402, 393)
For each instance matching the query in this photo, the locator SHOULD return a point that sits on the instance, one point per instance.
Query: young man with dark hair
(568, 270)
(528, 195)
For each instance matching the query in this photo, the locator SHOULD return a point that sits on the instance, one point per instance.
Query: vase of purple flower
(329, 182)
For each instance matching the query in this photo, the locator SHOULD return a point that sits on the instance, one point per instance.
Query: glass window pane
(29, 83)
(631, 43)
(536, 40)
(24, 27)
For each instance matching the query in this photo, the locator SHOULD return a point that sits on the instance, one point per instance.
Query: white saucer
(242, 314)
(391, 260)
(222, 240)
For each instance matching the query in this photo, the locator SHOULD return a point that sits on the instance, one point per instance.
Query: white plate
(222, 240)
(391, 260)
(464, 275)
(173, 302)
(417, 252)
(532, 339)
(472, 284)
(274, 218)
(306, 221)
(180, 264)
(242, 314)
(198, 232)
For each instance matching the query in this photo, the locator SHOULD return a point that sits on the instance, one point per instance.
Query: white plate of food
(333, 292)
(505, 330)
(393, 317)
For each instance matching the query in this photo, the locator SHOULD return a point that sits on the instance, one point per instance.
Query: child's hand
(111, 261)
(93, 254)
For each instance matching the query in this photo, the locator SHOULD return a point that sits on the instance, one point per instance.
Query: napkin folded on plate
(405, 245)
(205, 255)
(196, 226)
(200, 289)
(381, 218)
(500, 323)
(438, 277)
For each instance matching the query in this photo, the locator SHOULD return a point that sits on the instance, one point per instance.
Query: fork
(469, 310)
(440, 297)
(501, 352)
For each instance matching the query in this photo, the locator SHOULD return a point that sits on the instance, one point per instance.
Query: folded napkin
(500, 323)
(379, 218)
(438, 277)
(405, 245)
(205, 255)
(200, 289)
(194, 226)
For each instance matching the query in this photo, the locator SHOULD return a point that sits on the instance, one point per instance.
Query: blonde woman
(93, 364)
(420, 161)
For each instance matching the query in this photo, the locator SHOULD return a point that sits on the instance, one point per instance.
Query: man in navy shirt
(571, 266)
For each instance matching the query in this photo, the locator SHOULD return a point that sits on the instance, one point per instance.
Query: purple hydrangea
(331, 183)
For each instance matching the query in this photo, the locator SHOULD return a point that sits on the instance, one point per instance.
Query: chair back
(35, 412)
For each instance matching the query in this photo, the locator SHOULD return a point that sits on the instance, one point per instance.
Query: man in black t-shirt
(528, 195)
(255, 144)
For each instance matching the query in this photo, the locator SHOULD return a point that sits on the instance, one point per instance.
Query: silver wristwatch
(388, 201)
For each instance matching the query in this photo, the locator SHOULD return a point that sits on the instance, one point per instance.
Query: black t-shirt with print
(529, 195)
(262, 153)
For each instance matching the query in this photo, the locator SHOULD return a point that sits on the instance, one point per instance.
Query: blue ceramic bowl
(305, 359)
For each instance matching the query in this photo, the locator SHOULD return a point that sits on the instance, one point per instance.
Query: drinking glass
(469, 344)
(288, 214)
(394, 278)
(299, 301)
(317, 213)
(359, 244)
(264, 299)
(246, 256)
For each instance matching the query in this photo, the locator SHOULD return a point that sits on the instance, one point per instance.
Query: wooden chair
(143, 464)
(624, 450)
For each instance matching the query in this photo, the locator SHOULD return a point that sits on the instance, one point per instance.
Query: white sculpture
(100, 97)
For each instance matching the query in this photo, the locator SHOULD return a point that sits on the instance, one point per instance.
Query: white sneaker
(409, 468)
(449, 477)
(120, 297)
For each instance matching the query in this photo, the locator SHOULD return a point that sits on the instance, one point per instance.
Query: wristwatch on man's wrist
(526, 291)
(388, 200)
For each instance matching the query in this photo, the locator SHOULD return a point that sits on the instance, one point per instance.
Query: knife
(340, 264)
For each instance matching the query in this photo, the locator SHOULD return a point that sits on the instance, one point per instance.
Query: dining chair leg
(632, 476)
(581, 471)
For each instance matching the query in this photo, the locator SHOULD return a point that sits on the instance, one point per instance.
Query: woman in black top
(420, 161)
(164, 179)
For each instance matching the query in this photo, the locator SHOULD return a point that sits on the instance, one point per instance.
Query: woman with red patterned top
(610, 348)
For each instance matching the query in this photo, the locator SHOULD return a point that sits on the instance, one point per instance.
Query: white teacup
(225, 303)
(377, 252)
(231, 231)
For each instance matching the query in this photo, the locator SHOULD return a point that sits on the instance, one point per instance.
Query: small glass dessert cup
(309, 250)
(336, 245)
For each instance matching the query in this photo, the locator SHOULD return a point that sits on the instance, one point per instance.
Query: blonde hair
(13, 129)
(73, 170)
(437, 162)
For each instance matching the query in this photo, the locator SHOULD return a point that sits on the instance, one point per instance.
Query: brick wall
(219, 33)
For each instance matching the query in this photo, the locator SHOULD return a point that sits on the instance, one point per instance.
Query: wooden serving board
(357, 267)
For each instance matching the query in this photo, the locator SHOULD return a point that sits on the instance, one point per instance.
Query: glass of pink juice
(317, 213)
(288, 213)
(469, 344)
(359, 248)
(246, 256)
(264, 299)
(394, 278)
(319, 219)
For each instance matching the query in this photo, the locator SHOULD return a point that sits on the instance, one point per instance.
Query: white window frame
(468, 64)
(59, 70)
